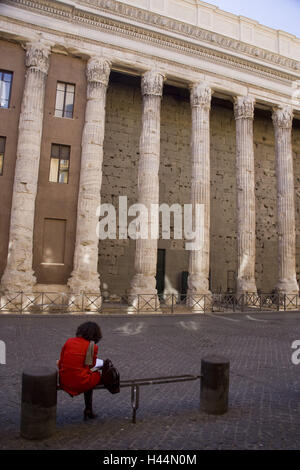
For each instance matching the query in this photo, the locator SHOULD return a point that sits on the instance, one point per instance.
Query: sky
(277, 14)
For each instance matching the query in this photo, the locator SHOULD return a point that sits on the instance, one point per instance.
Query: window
(64, 100)
(5, 88)
(2, 148)
(59, 163)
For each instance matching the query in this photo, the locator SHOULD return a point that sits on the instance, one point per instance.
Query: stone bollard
(39, 398)
(214, 385)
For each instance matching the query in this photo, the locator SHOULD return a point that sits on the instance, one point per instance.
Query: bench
(39, 394)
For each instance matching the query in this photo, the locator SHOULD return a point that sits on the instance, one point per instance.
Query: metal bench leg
(135, 399)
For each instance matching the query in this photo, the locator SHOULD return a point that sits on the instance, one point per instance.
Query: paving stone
(264, 384)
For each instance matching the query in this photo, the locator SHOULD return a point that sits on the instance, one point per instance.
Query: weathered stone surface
(18, 275)
(222, 59)
(244, 113)
(144, 281)
(120, 170)
(287, 282)
(85, 276)
(121, 155)
(200, 98)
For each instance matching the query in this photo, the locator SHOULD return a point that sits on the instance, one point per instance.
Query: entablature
(135, 40)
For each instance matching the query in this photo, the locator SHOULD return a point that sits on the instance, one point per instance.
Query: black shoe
(88, 414)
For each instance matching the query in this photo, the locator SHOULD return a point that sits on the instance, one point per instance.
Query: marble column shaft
(18, 275)
(283, 119)
(85, 276)
(200, 98)
(144, 281)
(245, 174)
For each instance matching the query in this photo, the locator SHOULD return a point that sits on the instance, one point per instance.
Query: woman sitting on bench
(77, 371)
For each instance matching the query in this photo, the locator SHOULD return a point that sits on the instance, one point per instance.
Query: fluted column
(287, 283)
(85, 276)
(144, 281)
(18, 274)
(198, 279)
(245, 177)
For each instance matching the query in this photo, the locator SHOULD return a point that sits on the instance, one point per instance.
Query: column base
(288, 287)
(14, 281)
(84, 282)
(287, 295)
(246, 293)
(143, 296)
(245, 286)
(199, 296)
(85, 292)
(200, 301)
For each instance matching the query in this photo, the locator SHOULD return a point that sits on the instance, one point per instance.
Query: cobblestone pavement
(264, 403)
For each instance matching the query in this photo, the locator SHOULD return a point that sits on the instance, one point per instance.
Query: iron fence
(42, 302)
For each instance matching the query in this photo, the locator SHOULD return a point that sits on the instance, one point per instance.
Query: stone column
(144, 281)
(198, 279)
(287, 282)
(18, 275)
(85, 277)
(246, 239)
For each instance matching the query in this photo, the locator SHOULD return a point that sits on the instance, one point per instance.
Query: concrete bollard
(38, 407)
(214, 385)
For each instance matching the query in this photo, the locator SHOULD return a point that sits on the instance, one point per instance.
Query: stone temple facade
(161, 101)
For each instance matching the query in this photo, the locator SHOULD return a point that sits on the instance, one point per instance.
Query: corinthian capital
(244, 107)
(98, 70)
(37, 56)
(283, 117)
(152, 83)
(200, 95)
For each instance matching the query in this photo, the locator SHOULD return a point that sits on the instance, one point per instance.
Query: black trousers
(88, 399)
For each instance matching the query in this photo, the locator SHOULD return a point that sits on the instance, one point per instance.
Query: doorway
(160, 271)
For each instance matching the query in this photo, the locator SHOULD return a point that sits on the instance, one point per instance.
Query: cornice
(190, 31)
(96, 21)
(166, 62)
(182, 46)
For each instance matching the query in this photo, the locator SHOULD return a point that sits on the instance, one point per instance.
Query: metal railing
(135, 385)
(42, 302)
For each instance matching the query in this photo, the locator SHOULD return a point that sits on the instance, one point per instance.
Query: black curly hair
(90, 331)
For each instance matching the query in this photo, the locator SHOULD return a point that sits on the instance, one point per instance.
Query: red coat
(74, 376)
